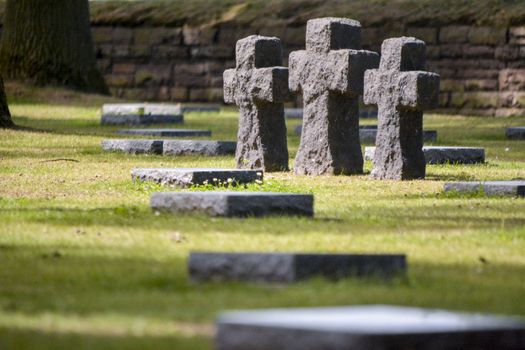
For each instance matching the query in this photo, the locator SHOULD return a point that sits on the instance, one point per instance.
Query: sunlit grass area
(86, 264)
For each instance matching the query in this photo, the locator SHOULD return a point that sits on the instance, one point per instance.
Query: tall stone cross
(259, 87)
(401, 90)
(329, 73)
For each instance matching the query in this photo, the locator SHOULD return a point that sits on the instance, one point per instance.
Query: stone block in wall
(179, 94)
(228, 35)
(202, 95)
(454, 34)
(198, 68)
(479, 51)
(427, 34)
(518, 64)
(153, 73)
(481, 100)
(122, 51)
(514, 99)
(510, 112)
(157, 36)
(444, 99)
(140, 52)
(295, 36)
(371, 37)
(484, 112)
(138, 94)
(163, 93)
(517, 35)
(487, 36)
(457, 99)
(170, 52)
(119, 80)
(122, 36)
(216, 81)
(203, 35)
(102, 35)
(191, 80)
(124, 68)
(484, 73)
(213, 51)
(512, 80)
(481, 85)
(507, 52)
(452, 85)
(451, 50)
(433, 52)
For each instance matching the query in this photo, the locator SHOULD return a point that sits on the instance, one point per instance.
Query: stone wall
(482, 68)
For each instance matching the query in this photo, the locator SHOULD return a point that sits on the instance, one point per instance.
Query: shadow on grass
(15, 339)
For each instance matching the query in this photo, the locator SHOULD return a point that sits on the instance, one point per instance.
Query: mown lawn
(86, 264)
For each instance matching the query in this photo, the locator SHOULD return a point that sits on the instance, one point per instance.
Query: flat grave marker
(231, 203)
(171, 147)
(188, 177)
(516, 133)
(368, 327)
(141, 114)
(291, 267)
(368, 133)
(444, 154)
(166, 132)
(491, 188)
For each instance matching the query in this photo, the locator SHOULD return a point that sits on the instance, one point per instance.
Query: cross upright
(401, 89)
(329, 73)
(259, 86)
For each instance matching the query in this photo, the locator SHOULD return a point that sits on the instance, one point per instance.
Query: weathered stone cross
(259, 88)
(330, 75)
(401, 90)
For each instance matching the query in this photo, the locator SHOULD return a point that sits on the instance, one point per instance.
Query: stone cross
(401, 90)
(329, 73)
(259, 87)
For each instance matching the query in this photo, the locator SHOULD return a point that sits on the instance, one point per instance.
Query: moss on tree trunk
(49, 43)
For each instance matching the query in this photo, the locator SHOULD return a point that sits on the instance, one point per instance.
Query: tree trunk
(49, 43)
(5, 116)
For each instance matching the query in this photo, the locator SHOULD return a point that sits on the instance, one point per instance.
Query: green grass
(86, 264)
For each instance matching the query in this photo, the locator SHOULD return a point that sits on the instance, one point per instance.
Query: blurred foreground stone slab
(291, 267)
(494, 188)
(188, 177)
(230, 203)
(444, 154)
(371, 327)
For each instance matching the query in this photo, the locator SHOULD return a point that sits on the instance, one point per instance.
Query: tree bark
(49, 43)
(5, 115)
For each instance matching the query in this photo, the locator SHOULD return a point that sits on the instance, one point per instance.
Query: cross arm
(297, 62)
(419, 90)
(229, 85)
(348, 68)
(373, 83)
(270, 84)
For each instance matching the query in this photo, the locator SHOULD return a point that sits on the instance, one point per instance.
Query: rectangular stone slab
(445, 154)
(290, 267)
(368, 133)
(371, 327)
(141, 109)
(171, 147)
(166, 132)
(199, 147)
(230, 204)
(495, 188)
(133, 146)
(516, 133)
(141, 114)
(189, 177)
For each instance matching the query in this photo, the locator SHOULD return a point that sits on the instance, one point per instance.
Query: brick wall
(482, 68)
